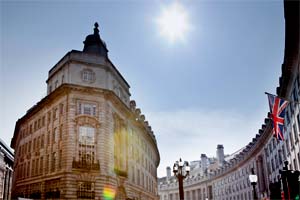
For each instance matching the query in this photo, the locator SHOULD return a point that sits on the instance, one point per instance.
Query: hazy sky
(205, 91)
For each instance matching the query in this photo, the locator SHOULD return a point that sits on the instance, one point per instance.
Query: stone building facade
(264, 153)
(6, 170)
(86, 136)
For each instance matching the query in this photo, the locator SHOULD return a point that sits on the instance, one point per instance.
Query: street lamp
(253, 181)
(178, 169)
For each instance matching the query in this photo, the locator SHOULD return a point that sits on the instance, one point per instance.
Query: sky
(197, 92)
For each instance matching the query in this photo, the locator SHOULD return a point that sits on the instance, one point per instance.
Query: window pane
(86, 135)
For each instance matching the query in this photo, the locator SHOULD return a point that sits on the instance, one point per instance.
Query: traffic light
(293, 184)
(275, 190)
(282, 195)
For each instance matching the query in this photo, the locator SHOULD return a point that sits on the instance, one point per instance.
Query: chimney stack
(168, 173)
(203, 163)
(220, 155)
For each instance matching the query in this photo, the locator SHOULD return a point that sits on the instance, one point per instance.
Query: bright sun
(173, 22)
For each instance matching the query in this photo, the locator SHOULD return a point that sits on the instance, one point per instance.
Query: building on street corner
(265, 154)
(86, 139)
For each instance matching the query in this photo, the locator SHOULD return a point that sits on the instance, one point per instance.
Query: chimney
(220, 155)
(203, 163)
(168, 173)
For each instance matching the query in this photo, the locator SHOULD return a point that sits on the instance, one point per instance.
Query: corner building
(85, 137)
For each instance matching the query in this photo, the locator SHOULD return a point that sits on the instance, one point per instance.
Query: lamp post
(178, 169)
(253, 181)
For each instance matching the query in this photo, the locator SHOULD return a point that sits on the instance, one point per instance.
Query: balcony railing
(86, 165)
(85, 194)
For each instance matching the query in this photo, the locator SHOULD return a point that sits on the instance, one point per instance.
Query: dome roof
(94, 45)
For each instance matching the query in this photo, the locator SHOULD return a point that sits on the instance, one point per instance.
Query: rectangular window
(32, 167)
(34, 141)
(272, 165)
(283, 153)
(287, 146)
(38, 142)
(287, 115)
(55, 114)
(274, 143)
(266, 152)
(20, 171)
(132, 171)
(25, 147)
(295, 164)
(280, 156)
(47, 164)
(291, 140)
(35, 126)
(88, 75)
(42, 141)
(87, 109)
(295, 93)
(53, 161)
(270, 147)
(60, 159)
(60, 132)
(298, 119)
(37, 166)
(41, 165)
(28, 169)
(86, 135)
(29, 147)
(39, 123)
(49, 117)
(61, 108)
(48, 138)
(43, 121)
(54, 136)
(295, 130)
(24, 170)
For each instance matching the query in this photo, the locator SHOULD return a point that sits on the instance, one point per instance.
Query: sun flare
(173, 23)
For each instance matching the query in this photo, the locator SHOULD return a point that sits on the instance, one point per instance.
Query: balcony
(85, 165)
(85, 194)
(121, 172)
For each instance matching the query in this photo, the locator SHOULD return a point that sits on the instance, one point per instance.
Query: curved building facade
(86, 138)
(265, 154)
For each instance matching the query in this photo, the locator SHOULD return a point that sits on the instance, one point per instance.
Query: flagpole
(296, 102)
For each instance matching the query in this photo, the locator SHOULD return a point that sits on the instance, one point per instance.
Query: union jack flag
(277, 109)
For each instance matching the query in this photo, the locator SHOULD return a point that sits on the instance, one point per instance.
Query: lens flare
(109, 193)
(173, 22)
